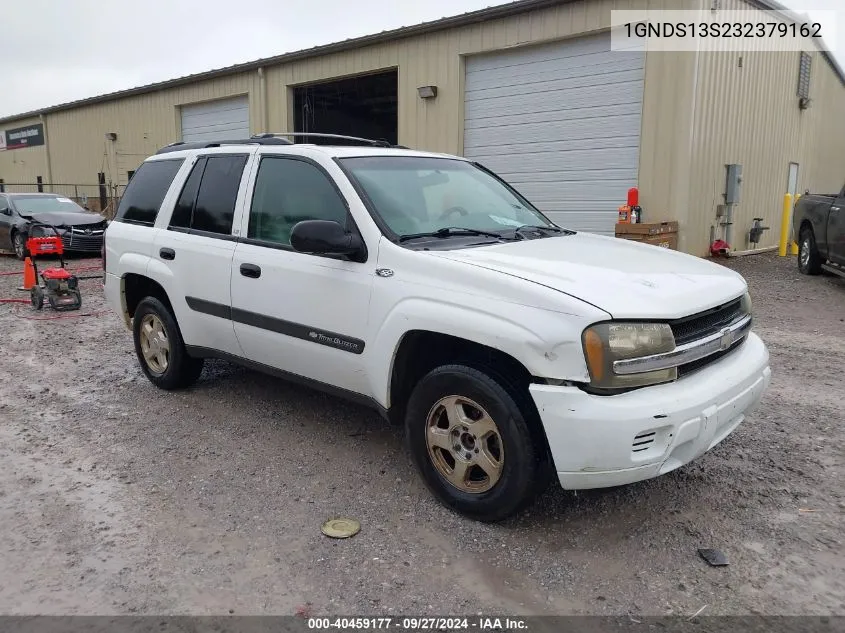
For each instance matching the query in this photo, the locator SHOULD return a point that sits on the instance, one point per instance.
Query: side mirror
(6, 211)
(324, 237)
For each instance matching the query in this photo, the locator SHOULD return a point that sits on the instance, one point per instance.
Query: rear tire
(160, 348)
(809, 260)
(473, 444)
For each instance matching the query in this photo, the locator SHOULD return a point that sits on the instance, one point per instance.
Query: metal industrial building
(531, 89)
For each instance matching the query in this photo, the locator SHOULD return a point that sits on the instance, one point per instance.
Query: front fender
(546, 343)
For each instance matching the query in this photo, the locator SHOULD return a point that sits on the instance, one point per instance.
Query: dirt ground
(118, 498)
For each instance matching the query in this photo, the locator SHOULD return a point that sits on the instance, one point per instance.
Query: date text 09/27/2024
(418, 624)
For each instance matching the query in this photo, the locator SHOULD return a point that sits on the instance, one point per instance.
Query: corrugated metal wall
(746, 112)
(438, 59)
(144, 123)
(79, 149)
(747, 115)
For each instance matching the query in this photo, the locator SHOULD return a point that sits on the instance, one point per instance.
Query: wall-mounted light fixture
(427, 92)
(111, 136)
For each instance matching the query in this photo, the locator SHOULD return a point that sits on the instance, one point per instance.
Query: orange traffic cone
(28, 274)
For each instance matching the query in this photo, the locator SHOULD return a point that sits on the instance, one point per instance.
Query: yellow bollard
(784, 224)
(794, 249)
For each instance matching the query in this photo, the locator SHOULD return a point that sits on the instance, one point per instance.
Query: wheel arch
(419, 351)
(135, 287)
(806, 224)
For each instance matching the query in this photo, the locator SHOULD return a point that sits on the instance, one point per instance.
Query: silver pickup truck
(819, 223)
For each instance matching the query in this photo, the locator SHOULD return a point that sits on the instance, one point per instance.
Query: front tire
(160, 348)
(809, 260)
(19, 245)
(473, 444)
(36, 296)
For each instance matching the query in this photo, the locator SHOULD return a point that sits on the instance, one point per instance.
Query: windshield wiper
(540, 227)
(449, 231)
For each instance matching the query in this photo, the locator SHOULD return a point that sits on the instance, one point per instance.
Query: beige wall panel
(749, 114)
(436, 59)
(143, 123)
(697, 115)
(23, 165)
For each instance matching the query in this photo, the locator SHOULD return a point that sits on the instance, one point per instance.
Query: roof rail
(366, 141)
(182, 145)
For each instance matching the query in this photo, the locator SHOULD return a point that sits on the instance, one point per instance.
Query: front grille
(81, 242)
(704, 324)
(701, 363)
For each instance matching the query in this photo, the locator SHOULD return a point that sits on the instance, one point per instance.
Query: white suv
(513, 351)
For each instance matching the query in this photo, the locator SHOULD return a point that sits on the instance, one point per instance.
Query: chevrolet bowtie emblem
(726, 340)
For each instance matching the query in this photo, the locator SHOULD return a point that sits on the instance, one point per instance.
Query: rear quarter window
(145, 192)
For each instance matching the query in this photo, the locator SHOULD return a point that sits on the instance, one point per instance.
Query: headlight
(745, 303)
(605, 343)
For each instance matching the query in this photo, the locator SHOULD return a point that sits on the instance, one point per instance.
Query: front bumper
(601, 441)
(113, 290)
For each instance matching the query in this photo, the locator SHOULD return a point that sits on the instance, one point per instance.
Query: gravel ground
(119, 498)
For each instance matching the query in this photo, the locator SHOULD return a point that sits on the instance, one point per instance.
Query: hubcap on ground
(464, 444)
(805, 251)
(155, 347)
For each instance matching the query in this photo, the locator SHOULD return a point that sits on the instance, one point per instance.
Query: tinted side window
(288, 191)
(144, 193)
(215, 207)
(185, 205)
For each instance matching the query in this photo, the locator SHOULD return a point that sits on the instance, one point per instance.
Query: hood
(66, 218)
(621, 277)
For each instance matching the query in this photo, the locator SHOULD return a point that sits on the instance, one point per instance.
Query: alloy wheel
(464, 444)
(155, 346)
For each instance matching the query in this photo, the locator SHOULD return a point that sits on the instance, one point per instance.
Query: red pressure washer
(59, 286)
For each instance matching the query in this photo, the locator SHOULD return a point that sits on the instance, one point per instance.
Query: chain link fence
(101, 198)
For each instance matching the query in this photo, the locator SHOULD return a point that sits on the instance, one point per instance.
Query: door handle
(167, 253)
(250, 270)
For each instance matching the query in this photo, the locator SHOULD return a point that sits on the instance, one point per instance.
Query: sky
(54, 51)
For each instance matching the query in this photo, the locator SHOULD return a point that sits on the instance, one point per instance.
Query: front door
(836, 231)
(5, 223)
(303, 314)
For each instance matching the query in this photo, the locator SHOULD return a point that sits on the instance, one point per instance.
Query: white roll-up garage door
(224, 119)
(561, 122)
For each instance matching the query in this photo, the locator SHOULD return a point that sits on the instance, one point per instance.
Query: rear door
(197, 246)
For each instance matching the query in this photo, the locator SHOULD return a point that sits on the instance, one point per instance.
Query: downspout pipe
(48, 163)
(262, 96)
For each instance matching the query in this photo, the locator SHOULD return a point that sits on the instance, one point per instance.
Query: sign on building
(20, 137)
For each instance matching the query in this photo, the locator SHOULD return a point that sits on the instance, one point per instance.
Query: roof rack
(182, 145)
(272, 138)
(366, 141)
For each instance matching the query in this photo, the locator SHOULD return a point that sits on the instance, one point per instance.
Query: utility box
(733, 185)
(664, 234)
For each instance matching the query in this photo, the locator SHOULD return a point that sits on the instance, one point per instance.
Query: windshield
(46, 204)
(414, 195)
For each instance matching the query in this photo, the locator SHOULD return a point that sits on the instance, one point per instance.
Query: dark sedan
(22, 214)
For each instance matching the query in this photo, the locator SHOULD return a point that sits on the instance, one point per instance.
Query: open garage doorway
(364, 106)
